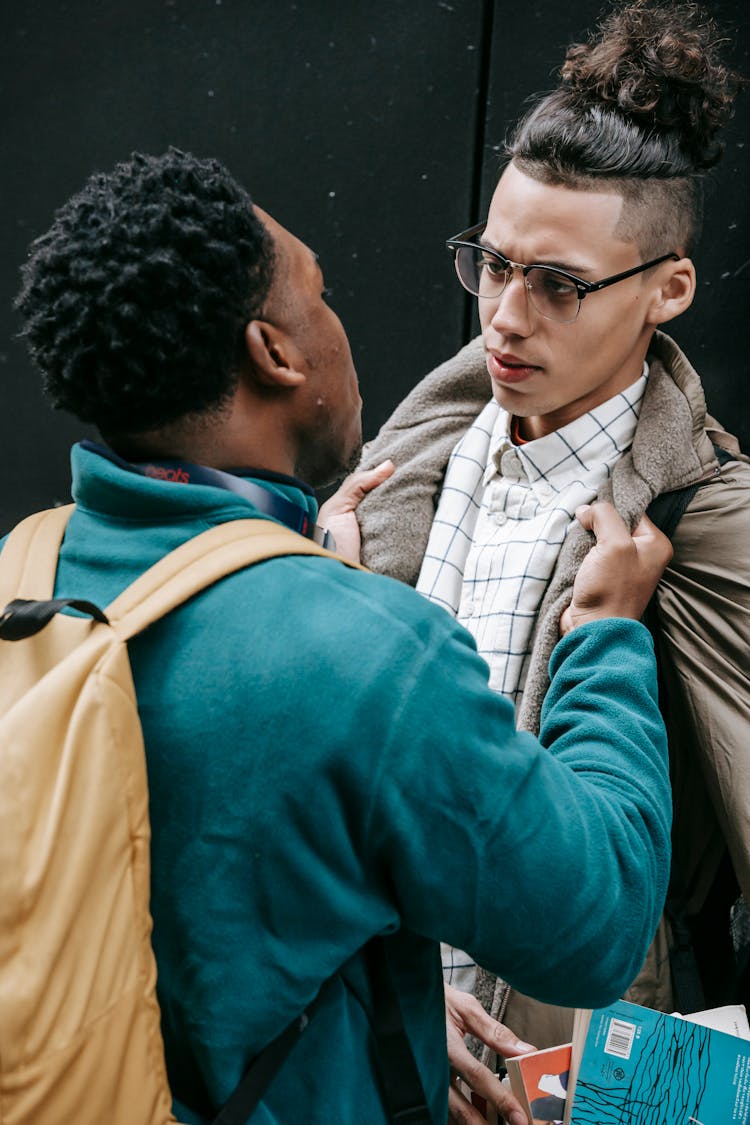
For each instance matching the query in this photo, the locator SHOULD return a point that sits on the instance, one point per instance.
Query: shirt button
(500, 518)
(509, 463)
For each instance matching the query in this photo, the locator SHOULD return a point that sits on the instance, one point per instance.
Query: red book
(540, 1082)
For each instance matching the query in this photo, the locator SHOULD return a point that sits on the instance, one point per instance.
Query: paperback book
(540, 1082)
(638, 1065)
(629, 1065)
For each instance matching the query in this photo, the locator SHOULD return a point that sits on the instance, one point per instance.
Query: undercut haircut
(638, 112)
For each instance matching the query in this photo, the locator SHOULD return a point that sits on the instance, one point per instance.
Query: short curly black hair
(134, 302)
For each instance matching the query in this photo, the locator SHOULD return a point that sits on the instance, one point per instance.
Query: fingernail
(383, 464)
(524, 1046)
(518, 1117)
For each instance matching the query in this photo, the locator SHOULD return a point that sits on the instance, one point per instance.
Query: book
(732, 1019)
(629, 1065)
(633, 1064)
(540, 1081)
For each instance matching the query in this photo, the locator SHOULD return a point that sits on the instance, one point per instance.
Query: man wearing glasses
(584, 256)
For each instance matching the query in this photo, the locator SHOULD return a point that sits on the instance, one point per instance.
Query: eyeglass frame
(583, 288)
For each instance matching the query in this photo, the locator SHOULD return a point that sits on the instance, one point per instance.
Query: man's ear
(274, 359)
(674, 292)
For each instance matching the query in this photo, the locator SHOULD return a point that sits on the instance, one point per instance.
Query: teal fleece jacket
(326, 763)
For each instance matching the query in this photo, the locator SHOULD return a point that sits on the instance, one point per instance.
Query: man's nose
(512, 314)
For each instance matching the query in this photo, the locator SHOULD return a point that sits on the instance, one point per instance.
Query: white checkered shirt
(502, 518)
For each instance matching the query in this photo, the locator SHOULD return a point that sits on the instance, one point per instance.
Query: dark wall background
(372, 131)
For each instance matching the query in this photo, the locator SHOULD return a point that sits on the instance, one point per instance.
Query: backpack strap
(265, 1066)
(23, 617)
(402, 1084)
(28, 561)
(667, 509)
(28, 565)
(199, 563)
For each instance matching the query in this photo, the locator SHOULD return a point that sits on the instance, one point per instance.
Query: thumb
(652, 544)
(603, 519)
(355, 487)
(585, 517)
(367, 479)
(353, 490)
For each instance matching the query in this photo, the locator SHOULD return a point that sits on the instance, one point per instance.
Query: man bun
(638, 110)
(658, 66)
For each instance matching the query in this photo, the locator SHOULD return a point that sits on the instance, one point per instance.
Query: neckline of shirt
(600, 436)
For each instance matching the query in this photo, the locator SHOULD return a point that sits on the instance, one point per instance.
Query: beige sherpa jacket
(702, 604)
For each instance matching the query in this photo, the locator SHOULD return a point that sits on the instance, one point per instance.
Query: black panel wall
(353, 124)
(372, 131)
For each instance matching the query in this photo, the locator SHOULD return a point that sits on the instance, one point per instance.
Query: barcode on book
(620, 1038)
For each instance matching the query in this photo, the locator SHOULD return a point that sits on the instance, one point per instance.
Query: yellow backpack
(80, 1036)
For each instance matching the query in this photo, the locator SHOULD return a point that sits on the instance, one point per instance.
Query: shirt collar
(598, 437)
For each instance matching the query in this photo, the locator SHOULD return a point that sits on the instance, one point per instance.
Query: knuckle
(475, 1006)
(472, 1071)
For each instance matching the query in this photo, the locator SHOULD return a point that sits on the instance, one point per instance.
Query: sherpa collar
(671, 449)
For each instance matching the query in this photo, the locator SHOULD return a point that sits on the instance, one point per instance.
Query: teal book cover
(642, 1066)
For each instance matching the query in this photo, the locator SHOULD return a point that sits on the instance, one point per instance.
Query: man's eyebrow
(570, 267)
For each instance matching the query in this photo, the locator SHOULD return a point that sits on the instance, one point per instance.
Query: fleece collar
(105, 488)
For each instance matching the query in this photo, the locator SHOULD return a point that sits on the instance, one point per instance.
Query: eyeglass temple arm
(464, 236)
(594, 286)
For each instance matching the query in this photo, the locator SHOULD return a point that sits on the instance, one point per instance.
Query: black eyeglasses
(555, 294)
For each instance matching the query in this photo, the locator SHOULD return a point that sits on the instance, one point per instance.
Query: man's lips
(508, 368)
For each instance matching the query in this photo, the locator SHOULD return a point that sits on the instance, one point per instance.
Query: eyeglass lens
(552, 294)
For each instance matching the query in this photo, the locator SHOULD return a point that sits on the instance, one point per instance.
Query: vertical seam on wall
(480, 125)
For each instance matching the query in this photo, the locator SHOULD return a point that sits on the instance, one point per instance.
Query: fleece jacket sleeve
(546, 860)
